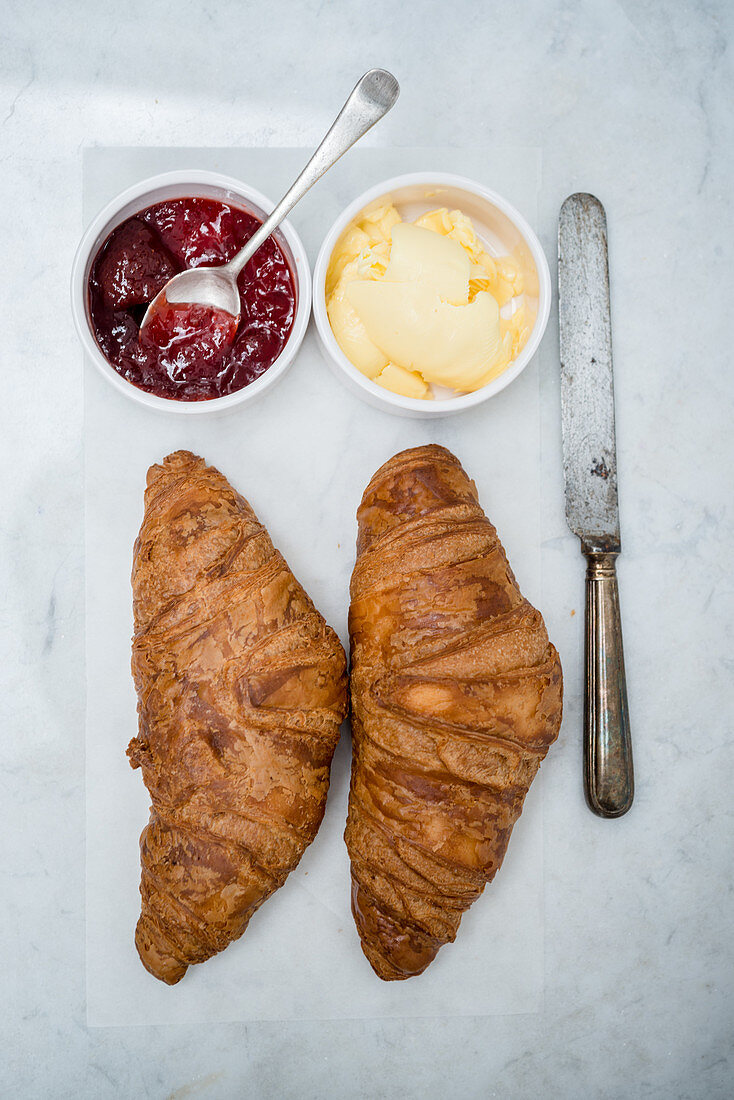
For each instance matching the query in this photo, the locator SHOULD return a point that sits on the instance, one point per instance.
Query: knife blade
(592, 509)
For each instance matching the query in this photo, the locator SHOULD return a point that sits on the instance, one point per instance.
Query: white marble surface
(629, 100)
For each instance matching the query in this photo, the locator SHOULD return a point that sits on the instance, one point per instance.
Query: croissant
(241, 691)
(456, 697)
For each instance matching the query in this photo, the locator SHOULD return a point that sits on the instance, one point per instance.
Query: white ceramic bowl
(502, 230)
(185, 184)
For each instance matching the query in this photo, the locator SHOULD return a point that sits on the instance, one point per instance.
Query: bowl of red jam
(196, 361)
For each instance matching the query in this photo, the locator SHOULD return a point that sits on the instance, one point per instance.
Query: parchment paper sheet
(302, 456)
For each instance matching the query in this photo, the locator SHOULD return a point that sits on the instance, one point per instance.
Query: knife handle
(608, 774)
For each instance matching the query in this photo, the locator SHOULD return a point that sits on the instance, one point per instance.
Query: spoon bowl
(212, 287)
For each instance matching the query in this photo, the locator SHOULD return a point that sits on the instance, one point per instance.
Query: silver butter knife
(592, 511)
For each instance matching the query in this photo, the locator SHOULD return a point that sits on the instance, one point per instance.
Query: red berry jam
(192, 354)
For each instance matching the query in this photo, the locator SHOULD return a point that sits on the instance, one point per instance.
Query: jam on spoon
(192, 338)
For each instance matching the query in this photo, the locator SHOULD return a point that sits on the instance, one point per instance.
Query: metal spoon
(216, 287)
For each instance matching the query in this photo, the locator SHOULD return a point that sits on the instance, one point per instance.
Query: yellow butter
(414, 304)
(420, 256)
(349, 247)
(402, 381)
(450, 345)
(349, 330)
(378, 219)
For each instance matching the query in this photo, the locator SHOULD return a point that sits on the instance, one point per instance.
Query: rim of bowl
(97, 232)
(414, 404)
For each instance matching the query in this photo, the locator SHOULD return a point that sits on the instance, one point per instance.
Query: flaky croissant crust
(456, 697)
(241, 690)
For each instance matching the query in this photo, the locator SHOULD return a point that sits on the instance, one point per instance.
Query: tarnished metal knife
(592, 512)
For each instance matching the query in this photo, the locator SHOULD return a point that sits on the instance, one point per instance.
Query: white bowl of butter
(431, 293)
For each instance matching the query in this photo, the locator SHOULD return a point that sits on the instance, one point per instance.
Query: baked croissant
(241, 690)
(456, 698)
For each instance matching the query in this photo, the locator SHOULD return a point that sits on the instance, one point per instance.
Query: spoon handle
(372, 97)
